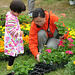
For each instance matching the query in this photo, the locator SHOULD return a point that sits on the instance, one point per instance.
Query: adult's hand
(37, 57)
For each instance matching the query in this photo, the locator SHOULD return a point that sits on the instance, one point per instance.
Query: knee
(53, 43)
(41, 33)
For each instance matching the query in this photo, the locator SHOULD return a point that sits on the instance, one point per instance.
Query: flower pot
(72, 2)
(10, 74)
(34, 73)
(61, 65)
(41, 68)
(54, 67)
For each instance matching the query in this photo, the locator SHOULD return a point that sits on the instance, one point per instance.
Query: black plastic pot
(28, 52)
(34, 73)
(10, 74)
(40, 69)
(61, 65)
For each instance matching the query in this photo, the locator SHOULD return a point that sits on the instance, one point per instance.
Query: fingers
(21, 32)
(38, 57)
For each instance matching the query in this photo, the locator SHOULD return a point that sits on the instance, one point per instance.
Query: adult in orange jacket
(42, 31)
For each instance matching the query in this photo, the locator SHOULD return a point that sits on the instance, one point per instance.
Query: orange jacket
(33, 38)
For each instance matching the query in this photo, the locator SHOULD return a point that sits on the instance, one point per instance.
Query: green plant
(2, 20)
(25, 28)
(24, 19)
(70, 0)
(65, 45)
(70, 68)
(49, 55)
(22, 67)
(3, 56)
(60, 26)
(2, 31)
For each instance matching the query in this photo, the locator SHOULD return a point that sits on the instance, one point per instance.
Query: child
(13, 44)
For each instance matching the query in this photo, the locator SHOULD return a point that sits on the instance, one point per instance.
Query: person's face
(39, 21)
(16, 14)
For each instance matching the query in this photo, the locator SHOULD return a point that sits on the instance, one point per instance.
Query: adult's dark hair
(38, 12)
(17, 6)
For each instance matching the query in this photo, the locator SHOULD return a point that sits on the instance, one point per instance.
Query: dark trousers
(11, 60)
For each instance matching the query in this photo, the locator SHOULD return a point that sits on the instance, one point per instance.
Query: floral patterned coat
(13, 45)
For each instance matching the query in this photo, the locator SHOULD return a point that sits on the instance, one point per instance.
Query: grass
(4, 71)
(57, 7)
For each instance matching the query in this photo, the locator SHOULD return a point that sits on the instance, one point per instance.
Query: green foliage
(66, 46)
(24, 18)
(2, 31)
(70, 0)
(55, 56)
(22, 67)
(70, 68)
(3, 56)
(2, 20)
(25, 28)
(61, 28)
(26, 47)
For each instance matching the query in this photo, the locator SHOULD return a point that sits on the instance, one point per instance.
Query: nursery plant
(25, 28)
(24, 18)
(60, 25)
(2, 20)
(70, 67)
(53, 56)
(23, 67)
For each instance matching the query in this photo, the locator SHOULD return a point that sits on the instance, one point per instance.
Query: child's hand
(21, 32)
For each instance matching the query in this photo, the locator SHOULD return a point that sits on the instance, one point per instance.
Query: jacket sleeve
(12, 26)
(33, 41)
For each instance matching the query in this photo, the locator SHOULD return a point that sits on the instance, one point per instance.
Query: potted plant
(71, 2)
(53, 58)
(22, 67)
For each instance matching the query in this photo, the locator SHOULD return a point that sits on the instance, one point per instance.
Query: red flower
(63, 14)
(69, 52)
(22, 14)
(49, 50)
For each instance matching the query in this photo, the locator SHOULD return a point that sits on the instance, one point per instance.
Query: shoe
(9, 67)
(30, 14)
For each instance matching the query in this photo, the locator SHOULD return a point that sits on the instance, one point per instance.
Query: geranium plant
(66, 45)
(60, 25)
(50, 55)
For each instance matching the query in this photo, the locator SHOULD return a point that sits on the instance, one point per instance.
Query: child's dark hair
(17, 6)
(38, 12)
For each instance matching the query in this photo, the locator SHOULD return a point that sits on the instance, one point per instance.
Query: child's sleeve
(12, 26)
